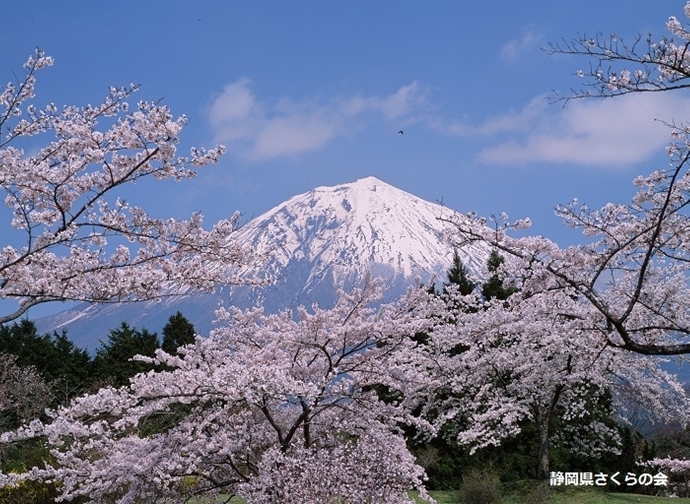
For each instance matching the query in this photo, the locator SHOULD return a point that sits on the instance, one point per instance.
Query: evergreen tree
(72, 369)
(493, 288)
(56, 359)
(176, 333)
(22, 340)
(458, 275)
(113, 364)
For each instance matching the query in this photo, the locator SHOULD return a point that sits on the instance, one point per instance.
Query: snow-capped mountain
(315, 243)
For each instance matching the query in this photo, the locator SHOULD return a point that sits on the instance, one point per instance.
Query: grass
(440, 496)
(572, 495)
(561, 495)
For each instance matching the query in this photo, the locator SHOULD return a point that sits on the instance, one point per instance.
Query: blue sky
(313, 93)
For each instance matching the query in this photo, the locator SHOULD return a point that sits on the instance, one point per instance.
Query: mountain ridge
(315, 243)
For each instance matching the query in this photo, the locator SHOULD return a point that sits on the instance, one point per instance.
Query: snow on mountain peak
(346, 229)
(315, 242)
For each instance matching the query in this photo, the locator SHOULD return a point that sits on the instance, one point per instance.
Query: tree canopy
(79, 240)
(633, 271)
(178, 331)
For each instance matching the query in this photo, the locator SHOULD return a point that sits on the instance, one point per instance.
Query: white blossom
(77, 246)
(277, 408)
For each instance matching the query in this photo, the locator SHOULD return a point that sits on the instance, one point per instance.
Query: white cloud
(609, 133)
(407, 100)
(257, 131)
(509, 122)
(235, 102)
(515, 48)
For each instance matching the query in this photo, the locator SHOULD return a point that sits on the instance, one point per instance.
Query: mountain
(315, 243)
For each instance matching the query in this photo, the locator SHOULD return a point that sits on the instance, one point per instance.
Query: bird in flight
(401, 132)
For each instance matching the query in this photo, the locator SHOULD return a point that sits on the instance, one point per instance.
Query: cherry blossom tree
(678, 471)
(534, 358)
(619, 67)
(61, 170)
(633, 273)
(599, 313)
(634, 270)
(277, 408)
(23, 393)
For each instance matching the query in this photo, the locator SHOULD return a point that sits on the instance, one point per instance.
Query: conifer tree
(113, 364)
(458, 275)
(176, 333)
(55, 358)
(493, 288)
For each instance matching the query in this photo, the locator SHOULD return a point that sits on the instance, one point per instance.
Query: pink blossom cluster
(77, 239)
(276, 408)
(631, 66)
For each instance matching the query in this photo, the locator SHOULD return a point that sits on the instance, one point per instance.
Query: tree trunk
(542, 417)
(542, 420)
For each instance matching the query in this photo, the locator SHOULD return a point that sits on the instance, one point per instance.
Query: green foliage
(672, 441)
(447, 463)
(493, 287)
(113, 364)
(54, 357)
(443, 460)
(459, 276)
(29, 492)
(16, 457)
(176, 333)
(538, 493)
(72, 369)
(480, 487)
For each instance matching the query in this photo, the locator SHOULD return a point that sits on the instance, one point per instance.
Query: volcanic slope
(314, 243)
